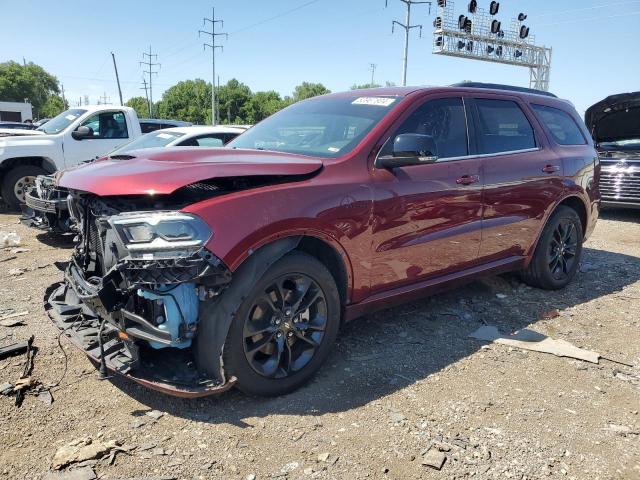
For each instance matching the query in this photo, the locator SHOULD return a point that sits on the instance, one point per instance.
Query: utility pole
(64, 100)
(407, 28)
(150, 64)
(372, 67)
(146, 94)
(104, 99)
(115, 67)
(213, 47)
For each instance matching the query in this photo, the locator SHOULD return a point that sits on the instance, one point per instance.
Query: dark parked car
(197, 270)
(614, 124)
(17, 125)
(148, 125)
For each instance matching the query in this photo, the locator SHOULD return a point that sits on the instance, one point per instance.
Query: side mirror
(82, 133)
(410, 149)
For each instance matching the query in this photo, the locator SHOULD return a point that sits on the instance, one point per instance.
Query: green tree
(308, 90)
(53, 106)
(140, 105)
(261, 105)
(232, 100)
(31, 82)
(189, 100)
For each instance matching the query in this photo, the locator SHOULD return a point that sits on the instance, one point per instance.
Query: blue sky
(278, 44)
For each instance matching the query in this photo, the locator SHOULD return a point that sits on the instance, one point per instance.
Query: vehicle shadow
(621, 215)
(387, 351)
(57, 240)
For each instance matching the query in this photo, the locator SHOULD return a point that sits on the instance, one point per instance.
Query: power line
(584, 9)
(588, 19)
(279, 15)
(150, 64)
(407, 28)
(213, 47)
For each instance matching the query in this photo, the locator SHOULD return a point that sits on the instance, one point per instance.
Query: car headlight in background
(160, 231)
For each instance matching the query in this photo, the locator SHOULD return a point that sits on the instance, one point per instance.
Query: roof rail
(497, 86)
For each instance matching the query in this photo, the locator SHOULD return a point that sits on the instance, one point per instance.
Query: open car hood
(164, 170)
(615, 118)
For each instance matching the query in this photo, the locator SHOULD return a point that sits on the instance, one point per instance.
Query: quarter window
(502, 127)
(444, 120)
(561, 125)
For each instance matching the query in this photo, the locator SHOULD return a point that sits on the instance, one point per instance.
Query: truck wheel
(284, 328)
(15, 183)
(557, 255)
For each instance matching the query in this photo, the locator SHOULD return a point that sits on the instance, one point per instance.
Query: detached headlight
(160, 231)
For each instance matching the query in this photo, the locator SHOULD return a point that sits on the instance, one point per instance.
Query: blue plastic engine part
(180, 308)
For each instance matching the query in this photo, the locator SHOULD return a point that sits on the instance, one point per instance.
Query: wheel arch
(42, 162)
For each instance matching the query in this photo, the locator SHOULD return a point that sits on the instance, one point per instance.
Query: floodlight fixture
(442, 3)
(517, 54)
(499, 50)
(495, 26)
(524, 32)
(522, 17)
(473, 6)
(493, 8)
(490, 49)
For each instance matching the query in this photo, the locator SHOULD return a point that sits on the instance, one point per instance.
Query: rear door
(427, 218)
(522, 174)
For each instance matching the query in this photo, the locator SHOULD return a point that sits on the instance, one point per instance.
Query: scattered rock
(80, 450)
(155, 414)
(7, 320)
(45, 397)
(323, 457)
(19, 250)
(251, 476)
(6, 388)
(397, 417)
(16, 272)
(9, 239)
(290, 467)
(550, 314)
(84, 473)
(434, 459)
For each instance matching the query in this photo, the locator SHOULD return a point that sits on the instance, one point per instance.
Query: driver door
(427, 218)
(110, 130)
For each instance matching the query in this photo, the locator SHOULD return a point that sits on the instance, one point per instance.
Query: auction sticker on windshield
(376, 101)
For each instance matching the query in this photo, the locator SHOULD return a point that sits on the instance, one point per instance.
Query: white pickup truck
(74, 136)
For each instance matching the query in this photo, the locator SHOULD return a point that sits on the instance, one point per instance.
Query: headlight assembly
(160, 231)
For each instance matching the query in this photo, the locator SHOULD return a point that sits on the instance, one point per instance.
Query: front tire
(285, 327)
(16, 182)
(557, 255)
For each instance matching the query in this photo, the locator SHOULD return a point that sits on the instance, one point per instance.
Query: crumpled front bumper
(78, 308)
(46, 213)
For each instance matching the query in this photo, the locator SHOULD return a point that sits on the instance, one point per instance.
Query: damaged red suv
(196, 270)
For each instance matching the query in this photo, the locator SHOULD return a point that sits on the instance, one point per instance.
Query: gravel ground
(401, 388)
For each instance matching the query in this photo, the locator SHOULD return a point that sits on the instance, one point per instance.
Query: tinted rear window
(503, 127)
(561, 125)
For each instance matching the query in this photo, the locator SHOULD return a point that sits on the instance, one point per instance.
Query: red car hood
(162, 171)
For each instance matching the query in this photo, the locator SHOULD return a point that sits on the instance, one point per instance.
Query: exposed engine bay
(135, 286)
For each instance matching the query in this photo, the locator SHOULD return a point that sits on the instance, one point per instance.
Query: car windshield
(322, 127)
(150, 140)
(626, 144)
(62, 121)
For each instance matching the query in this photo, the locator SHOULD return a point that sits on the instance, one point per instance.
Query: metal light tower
(478, 34)
(407, 28)
(213, 47)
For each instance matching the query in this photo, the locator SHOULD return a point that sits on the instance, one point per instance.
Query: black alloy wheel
(285, 326)
(557, 254)
(562, 249)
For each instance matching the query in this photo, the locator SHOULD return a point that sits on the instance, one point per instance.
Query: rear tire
(285, 327)
(15, 183)
(557, 255)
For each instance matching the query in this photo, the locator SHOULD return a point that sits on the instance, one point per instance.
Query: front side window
(443, 120)
(321, 127)
(562, 127)
(502, 127)
(108, 125)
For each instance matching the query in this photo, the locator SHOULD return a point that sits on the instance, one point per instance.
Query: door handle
(551, 169)
(468, 179)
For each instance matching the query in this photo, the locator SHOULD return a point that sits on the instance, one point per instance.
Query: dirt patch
(403, 388)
